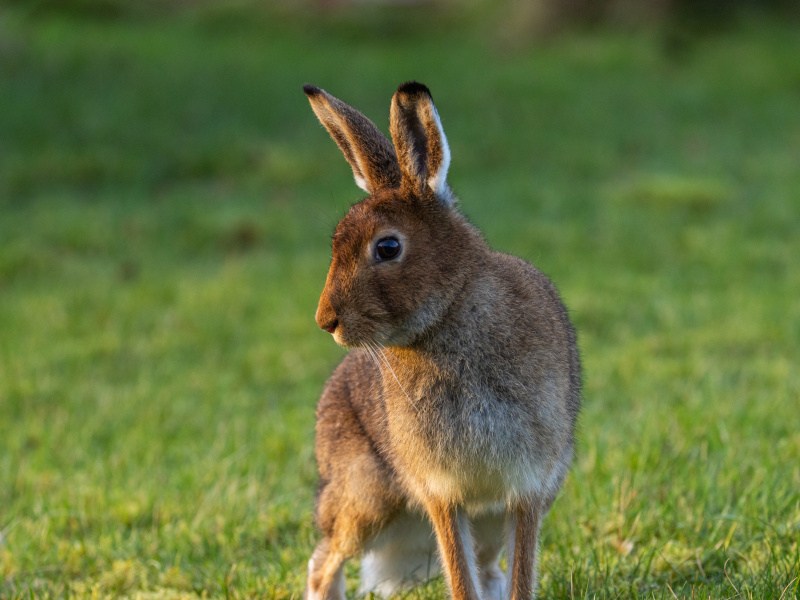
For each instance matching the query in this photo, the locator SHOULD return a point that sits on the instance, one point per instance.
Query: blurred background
(166, 202)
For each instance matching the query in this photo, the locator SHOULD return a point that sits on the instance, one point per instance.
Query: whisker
(372, 355)
(380, 352)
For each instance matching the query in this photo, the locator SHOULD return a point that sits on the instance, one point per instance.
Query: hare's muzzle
(326, 316)
(330, 326)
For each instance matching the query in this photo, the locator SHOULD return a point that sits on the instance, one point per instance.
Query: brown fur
(460, 394)
(526, 531)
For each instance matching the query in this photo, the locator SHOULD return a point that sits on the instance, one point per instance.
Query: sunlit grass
(166, 200)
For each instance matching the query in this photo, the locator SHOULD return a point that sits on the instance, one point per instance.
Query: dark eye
(387, 248)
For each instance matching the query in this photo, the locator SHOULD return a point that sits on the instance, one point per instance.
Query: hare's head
(401, 254)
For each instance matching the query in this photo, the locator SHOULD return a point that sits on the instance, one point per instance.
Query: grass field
(166, 200)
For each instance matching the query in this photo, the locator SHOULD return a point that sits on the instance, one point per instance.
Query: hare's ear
(369, 153)
(419, 140)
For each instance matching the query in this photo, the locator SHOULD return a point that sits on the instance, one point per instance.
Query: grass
(166, 200)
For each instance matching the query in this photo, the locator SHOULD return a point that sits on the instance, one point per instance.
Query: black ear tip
(311, 90)
(413, 88)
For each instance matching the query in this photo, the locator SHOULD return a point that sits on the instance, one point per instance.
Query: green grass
(166, 200)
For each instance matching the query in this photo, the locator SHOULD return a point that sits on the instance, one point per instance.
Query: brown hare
(449, 425)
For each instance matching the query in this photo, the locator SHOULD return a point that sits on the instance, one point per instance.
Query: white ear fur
(438, 179)
(362, 183)
(419, 141)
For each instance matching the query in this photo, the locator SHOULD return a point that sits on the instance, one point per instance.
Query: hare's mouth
(361, 333)
(339, 337)
(346, 339)
(347, 336)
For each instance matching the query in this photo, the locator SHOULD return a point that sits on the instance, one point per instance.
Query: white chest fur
(466, 445)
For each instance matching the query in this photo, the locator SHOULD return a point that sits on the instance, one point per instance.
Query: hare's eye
(387, 248)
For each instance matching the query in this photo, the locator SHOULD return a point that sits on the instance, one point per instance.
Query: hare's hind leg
(489, 531)
(325, 576)
(349, 512)
(401, 555)
(357, 493)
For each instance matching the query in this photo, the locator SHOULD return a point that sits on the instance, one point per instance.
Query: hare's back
(540, 321)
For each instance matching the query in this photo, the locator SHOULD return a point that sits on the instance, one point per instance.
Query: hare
(446, 432)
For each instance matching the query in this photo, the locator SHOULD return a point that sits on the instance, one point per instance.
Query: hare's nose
(330, 326)
(326, 316)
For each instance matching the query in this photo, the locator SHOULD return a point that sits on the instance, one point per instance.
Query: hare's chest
(469, 445)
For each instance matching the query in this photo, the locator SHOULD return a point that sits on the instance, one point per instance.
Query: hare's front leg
(525, 520)
(456, 548)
